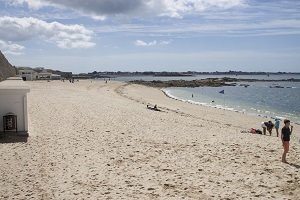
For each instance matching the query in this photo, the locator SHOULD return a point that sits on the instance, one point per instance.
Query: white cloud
(142, 43)
(64, 36)
(265, 27)
(99, 9)
(34, 4)
(145, 44)
(11, 48)
(165, 42)
(179, 8)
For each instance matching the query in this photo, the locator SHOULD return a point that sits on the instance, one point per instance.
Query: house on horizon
(44, 75)
(31, 75)
(55, 77)
(28, 74)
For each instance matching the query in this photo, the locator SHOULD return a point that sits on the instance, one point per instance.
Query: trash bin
(10, 122)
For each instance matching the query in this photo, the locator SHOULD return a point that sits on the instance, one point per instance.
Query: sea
(274, 99)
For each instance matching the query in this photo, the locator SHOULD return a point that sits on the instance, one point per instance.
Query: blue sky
(157, 35)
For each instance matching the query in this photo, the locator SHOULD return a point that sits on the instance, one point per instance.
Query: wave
(168, 94)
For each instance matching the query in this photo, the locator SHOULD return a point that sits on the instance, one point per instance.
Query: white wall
(28, 74)
(13, 98)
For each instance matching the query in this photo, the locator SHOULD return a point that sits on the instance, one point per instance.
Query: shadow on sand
(13, 138)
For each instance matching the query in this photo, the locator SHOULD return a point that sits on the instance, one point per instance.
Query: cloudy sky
(156, 35)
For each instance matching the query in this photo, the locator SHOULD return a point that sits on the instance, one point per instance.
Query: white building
(44, 75)
(55, 77)
(13, 100)
(28, 74)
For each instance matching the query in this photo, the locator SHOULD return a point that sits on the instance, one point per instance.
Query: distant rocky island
(114, 74)
(209, 82)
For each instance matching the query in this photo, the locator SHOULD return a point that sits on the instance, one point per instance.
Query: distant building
(44, 76)
(28, 74)
(66, 75)
(55, 77)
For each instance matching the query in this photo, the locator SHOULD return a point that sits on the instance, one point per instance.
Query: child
(285, 137)
(277, 124)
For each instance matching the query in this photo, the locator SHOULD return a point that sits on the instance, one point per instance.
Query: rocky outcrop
(6, 69)
(184, 83)
(209, 82)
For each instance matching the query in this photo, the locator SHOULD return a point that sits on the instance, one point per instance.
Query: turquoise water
(258, 98)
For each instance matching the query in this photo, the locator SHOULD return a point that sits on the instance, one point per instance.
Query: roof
(14, 86)
(26, 70)
(56, 75)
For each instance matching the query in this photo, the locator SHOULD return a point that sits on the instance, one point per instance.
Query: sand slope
(98, 141)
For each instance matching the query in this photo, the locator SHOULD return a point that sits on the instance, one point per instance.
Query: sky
(152, 35)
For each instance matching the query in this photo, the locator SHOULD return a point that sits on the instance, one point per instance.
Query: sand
(91, 140)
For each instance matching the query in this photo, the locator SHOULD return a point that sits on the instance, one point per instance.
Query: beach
(92, 140)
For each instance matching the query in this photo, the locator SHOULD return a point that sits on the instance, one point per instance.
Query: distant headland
(208, 82)
(112, 74)
(115, 74)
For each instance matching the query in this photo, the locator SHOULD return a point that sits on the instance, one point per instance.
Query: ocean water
(257, 99)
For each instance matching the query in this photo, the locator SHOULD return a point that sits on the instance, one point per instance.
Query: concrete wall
(13, 98)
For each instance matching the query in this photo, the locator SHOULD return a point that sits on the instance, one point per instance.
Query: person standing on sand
(277, 124)
(285, 137)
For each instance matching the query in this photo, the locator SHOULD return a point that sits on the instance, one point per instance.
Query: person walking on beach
(277, 124)
(286, 132)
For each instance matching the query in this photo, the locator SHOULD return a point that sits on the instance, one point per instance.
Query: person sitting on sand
(154, 108)
(285, 137)
(255, 131)
(267, 126)
(277, 124)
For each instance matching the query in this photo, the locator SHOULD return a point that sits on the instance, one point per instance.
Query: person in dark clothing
(286, 132)
(154, 108)
(267, 126)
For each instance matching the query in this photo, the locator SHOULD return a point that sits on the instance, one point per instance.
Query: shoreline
(220, 107)
(195, 105)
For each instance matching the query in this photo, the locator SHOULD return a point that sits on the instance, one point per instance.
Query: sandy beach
(91, 140)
